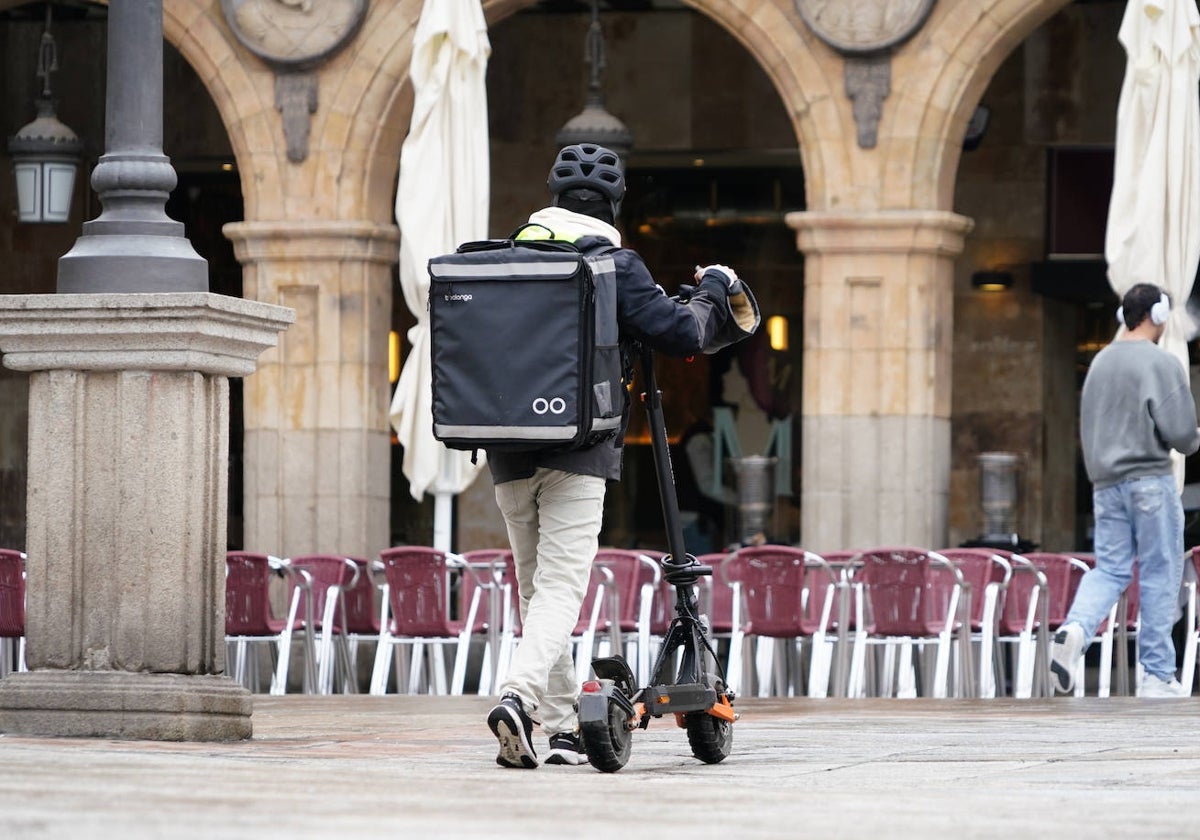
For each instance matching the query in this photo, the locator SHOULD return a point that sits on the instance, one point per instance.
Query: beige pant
(553, 522)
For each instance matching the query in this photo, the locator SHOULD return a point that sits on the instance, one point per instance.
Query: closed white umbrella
(441, 201)
(1153, 233)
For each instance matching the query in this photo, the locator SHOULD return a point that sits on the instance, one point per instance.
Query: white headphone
(1159, 312)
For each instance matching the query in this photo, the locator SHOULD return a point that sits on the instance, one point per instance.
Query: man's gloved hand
(733, 285)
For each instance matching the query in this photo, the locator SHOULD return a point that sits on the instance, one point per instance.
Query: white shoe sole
(567, 757)
(515, 749)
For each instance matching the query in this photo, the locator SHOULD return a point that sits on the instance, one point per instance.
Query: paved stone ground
(423, 767)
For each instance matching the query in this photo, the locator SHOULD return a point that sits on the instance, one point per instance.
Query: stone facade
(885, 245)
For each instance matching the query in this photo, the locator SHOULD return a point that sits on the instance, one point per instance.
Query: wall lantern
(992, 281)
(45, 153)
(777, 332)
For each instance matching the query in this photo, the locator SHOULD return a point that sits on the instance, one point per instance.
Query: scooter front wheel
(711, 737)
(608, 742)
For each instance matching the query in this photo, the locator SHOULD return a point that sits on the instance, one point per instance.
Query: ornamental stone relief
(294, 37)
(865, 32)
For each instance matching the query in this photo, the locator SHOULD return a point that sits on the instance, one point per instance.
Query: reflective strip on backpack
(603, 265)
(483, 433)
(604, 424)
(542, 268)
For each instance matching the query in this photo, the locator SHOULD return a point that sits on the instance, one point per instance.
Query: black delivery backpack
(524, 340)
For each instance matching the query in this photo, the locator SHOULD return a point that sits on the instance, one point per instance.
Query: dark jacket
(644, 313)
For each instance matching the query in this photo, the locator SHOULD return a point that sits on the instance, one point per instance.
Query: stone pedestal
(878, 326)
(128, 462)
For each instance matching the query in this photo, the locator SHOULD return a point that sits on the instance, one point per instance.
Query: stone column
(878, 317)
(128, 461)
(317, 437)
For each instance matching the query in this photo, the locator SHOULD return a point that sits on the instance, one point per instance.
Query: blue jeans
(1140, 518)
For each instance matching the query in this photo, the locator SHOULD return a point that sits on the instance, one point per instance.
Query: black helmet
(588, 166)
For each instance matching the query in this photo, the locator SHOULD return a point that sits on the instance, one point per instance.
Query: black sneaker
(566, 748)
(513, 728)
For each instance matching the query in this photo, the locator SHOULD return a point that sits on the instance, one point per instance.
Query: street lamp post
(129, 367)
(133, 246)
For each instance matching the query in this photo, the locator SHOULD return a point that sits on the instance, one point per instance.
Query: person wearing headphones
(552, 501)
(1136, 407)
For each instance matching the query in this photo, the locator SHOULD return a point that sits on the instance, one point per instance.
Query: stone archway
(880, 253)
(878, 237)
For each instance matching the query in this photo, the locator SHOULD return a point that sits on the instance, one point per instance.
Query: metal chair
(250, 620)
(1114, 635)
(12, 611)
(495, 571)
(423, 612)
(782, 596)
(1191, 639)
(597, 631)
(365, 608)
(717, 601)
(988, 571)
(912, 599)
(330, 576)
(636, 576)
(1038, 599)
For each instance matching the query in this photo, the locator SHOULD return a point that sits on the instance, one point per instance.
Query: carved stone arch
(366, 115)
(773, 32)
(961, 48)
(769, 29)
(241, 88)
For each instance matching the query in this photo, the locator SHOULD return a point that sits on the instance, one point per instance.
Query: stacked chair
(313, 589)
(425, 611)
(636, 578)
(12, 611)
(782, 598)
(250, 619)
(988, 573)
(898, 621)
(498, 621)
(914, 623)
(1191, 639)
(330, 577)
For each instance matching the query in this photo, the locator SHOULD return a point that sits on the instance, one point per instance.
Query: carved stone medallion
(294, 34)
(862, 27)
(294, 37)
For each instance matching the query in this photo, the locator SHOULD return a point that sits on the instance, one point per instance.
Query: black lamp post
(133, 246)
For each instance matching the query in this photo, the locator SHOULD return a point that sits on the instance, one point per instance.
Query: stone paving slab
(420, 767)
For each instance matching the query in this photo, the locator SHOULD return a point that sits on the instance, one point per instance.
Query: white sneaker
(1153, 686)
(1065, 650)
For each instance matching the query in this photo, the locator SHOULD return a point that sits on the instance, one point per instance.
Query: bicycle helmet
(588, 166)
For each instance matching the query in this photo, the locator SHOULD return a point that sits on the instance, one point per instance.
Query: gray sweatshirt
(1136, 408)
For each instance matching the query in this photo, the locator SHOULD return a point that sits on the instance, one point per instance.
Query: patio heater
(999, 501)
(755, 475)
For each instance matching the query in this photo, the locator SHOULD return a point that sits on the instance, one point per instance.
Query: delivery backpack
(524, 340)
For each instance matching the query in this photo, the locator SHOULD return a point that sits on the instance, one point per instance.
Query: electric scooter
(612, 706)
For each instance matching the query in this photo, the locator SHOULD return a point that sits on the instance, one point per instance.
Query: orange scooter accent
(639, 711)
(723, 709)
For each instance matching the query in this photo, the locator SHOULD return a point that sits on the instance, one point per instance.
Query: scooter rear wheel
(711, 737)
(608, 744)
